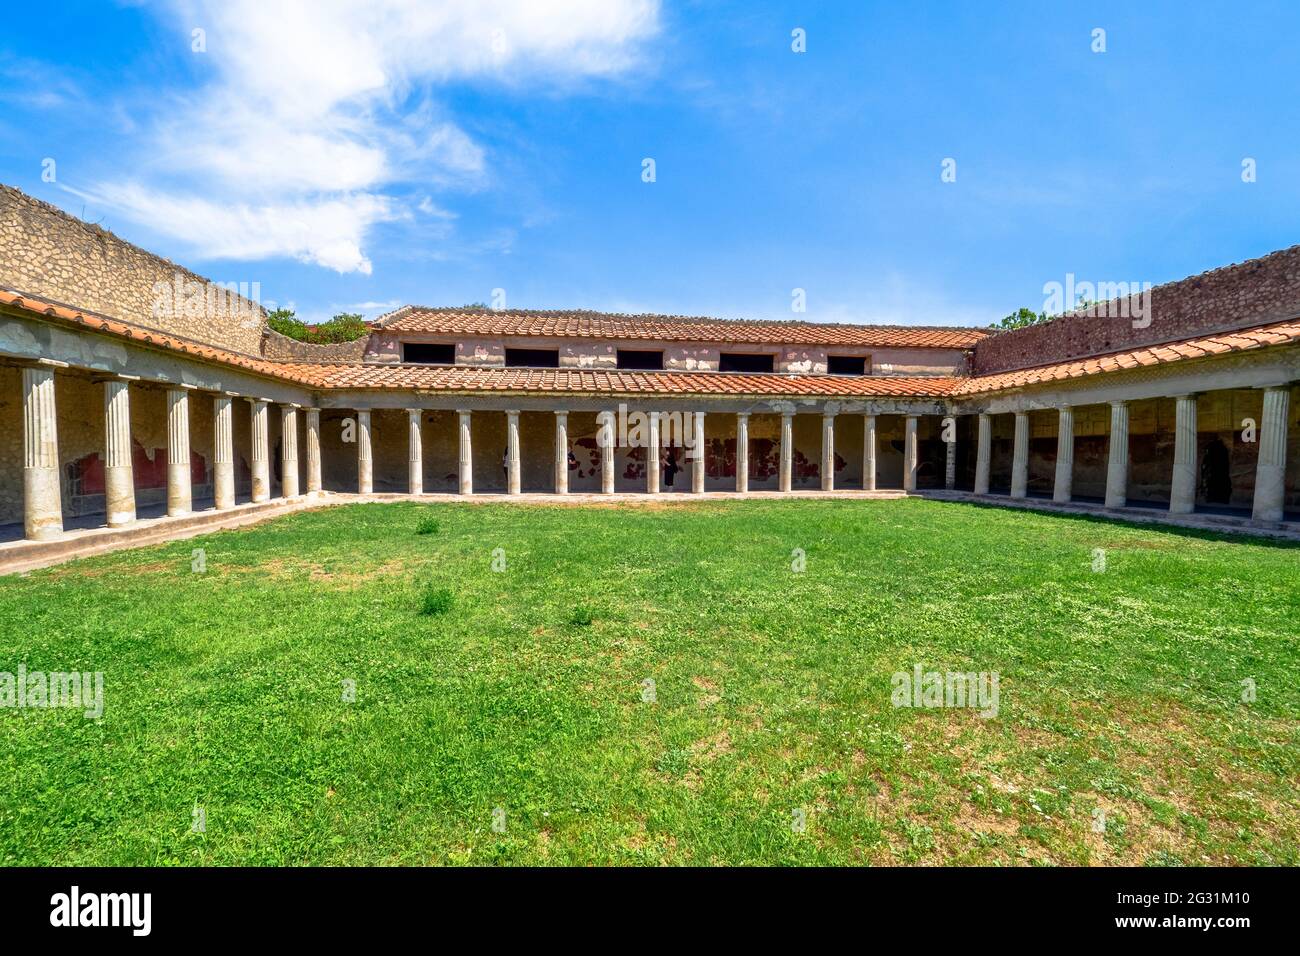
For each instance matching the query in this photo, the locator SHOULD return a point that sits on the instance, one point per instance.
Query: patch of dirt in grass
(709, 698)
(152, 567)
(711, 748)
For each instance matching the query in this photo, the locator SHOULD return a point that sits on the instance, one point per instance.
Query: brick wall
(46, 252)
(1252, 293)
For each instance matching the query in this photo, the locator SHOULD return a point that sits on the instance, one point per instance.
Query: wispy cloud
(318, 113)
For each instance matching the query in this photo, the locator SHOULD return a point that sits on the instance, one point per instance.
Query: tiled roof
(670, 328)
(464, 378)
(301, 374)
(1241, 340)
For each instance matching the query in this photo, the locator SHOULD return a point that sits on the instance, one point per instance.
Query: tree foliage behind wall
(344, 327)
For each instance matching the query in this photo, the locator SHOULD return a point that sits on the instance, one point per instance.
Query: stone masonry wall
(281, 347)
(1252, 293)
(46, 252)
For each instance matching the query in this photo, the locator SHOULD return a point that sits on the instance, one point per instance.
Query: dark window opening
(428, 353)
(846, 364)
(745, 362)
(533, 358)
(640, 359)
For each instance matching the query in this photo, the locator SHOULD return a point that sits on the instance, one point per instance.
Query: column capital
(415, 411)
(512, 411)
(1275, 386)
(561, 412)
(1118, 402)
(742, 414)
(52, 363)
(464, 411)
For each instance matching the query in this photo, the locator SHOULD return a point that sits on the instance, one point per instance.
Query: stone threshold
(1227, 524)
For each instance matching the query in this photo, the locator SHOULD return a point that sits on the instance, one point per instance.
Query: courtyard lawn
(1121, 737)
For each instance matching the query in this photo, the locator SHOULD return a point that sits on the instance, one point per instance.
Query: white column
(42, 493)
(605, 441)
(313, 451)
(179, 499)
(289, 451)
(652, 455)
(1270, 470)
(119, 478)
(910, 456)
(1117, 464)
(869, 455)
(466, 454)
(365, 459)
(415, 453)
(1063, 486)
(742, 452)
(1020, 457)
(223, 452)
(983, 454)
(697, 472)
(1182, 488)
(261, 467)
(828, 452)
(512, 453)
(561, 453)
(787, 450)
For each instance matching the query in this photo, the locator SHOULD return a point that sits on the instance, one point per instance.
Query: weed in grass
(581, 617)
(428, 525)
(436, 601)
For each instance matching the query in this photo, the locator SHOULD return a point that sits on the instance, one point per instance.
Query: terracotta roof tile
(462, 378)
(1281, 333)
(671, 328)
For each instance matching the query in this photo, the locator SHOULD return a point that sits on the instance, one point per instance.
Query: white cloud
(315, 108)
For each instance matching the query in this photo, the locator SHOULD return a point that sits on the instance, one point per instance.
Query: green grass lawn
(524, 689)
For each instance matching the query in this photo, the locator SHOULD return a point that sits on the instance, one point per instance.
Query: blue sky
(360, 156)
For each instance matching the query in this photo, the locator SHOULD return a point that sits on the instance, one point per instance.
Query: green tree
(1021, 318)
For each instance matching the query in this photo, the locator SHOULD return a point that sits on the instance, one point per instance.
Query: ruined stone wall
(284, 349)
(48, 253)
(1252, 293)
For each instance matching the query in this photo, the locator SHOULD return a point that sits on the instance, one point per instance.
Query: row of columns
(1270, 474)
(42, 496)
(606, 424)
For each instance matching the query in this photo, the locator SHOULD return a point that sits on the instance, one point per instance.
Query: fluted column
(261, 466)
(313, 451)
(42, 495)
(869, 454)
(1063, 486)
(828, 452)
(742, 452)
(466, 453)
(983, 453)
(223, 452)
(561, 453)
(289, 451)
(1020, 457)
(910, 455)
(119, 478)
(365, 455)
(652, 454)
(606, 442)
(697, 472)
(179, 496)
(787, 450)
(1182, 488)
(512, 453)
(1270, 470)
(415, 453)
(1117, 464)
